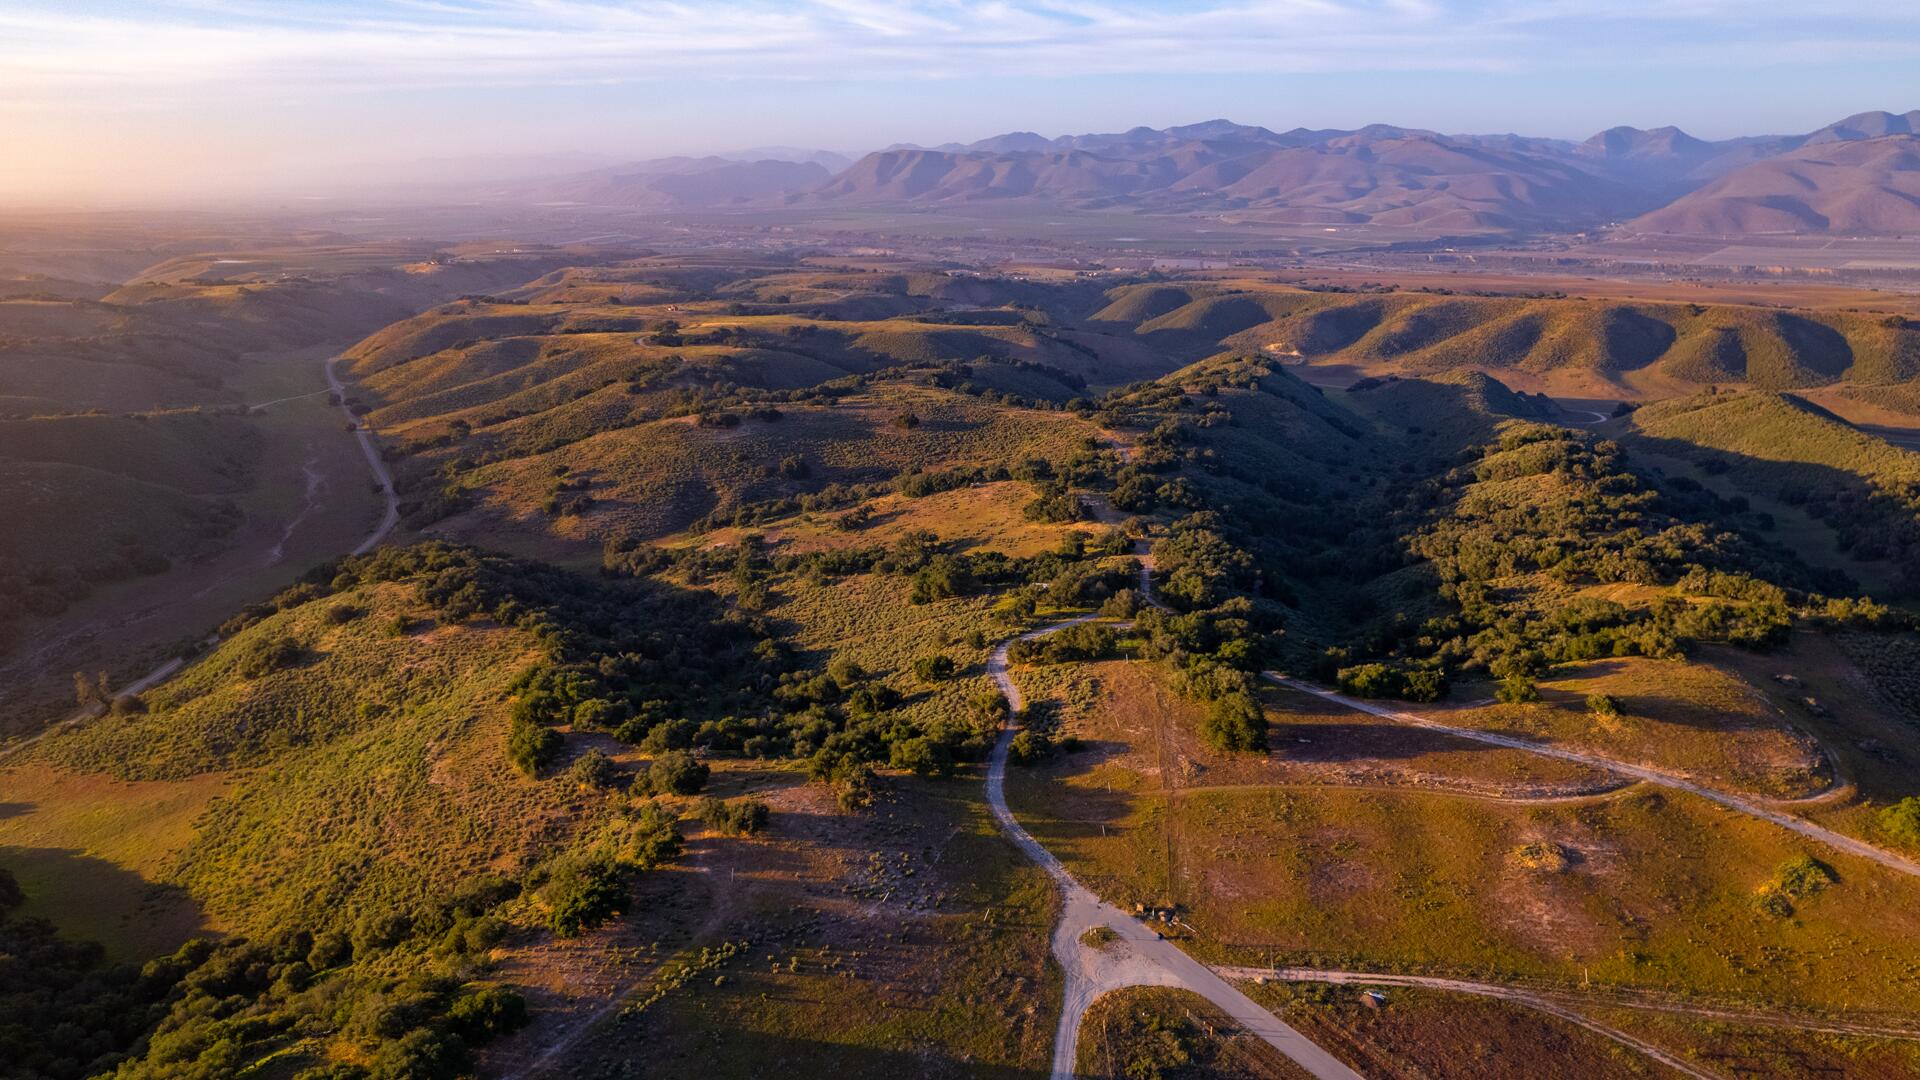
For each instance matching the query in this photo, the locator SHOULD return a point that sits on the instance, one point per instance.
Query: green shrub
(677, 772)
(1029, 748)
(933, 668)
(1516, 690)
(639, 839)
(1235, 722)
(1370, 681)
(747, 817)
(596, 771)
(1803, 875)
(530, 746)
(1901, 821)
(1798, 878)
(923, 757)
(266, 655)
(422, 1054)
(1603, 705)
(853, 790)
(487, 1012)
(1424, 684)
(581, 895)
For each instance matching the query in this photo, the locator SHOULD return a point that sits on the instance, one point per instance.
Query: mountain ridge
(1377, 174)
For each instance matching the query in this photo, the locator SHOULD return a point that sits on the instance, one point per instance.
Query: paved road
(1837, 841)
(1138, 956)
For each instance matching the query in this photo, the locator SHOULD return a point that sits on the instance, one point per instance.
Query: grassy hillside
(1778, 448)
(750, 527)
(1425, 333)
(95, 498)
(193, 451)
(601, 414)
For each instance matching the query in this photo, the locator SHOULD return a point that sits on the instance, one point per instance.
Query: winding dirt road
(1837, 841)
(1137, 955)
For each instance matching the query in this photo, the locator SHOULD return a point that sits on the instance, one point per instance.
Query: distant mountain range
(1858, 175)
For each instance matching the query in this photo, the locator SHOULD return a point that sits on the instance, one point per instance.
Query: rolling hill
(660, 734)
(1421, 333)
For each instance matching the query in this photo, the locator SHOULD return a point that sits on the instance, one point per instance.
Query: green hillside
(1777, 448)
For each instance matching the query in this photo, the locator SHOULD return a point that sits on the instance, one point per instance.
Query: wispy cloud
(50, 49)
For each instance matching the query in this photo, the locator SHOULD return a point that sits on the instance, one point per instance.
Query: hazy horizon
(217, 98)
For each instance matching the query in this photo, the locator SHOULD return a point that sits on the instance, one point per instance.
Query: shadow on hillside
(1092, 754)
(1334, 733)
(1055, 812)
(1330, 743)
(712, 849)
(1657, 705)
(1444, 415)
(1805, 486)
(753, 1054)
(94, 900)
(13, 809)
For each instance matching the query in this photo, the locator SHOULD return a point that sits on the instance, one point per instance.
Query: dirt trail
(1824, 835)
(316, 482)
(1519, 997)
(1643, 1001)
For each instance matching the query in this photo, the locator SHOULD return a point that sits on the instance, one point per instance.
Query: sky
(169, 99)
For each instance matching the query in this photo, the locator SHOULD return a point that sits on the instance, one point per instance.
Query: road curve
(1837, 841)
(1138, 956)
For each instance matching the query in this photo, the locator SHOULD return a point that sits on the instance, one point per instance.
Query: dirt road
(1837, 841)
(379, 468)
(1137, 956)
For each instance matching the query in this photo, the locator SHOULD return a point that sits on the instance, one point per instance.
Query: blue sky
(104, 97)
